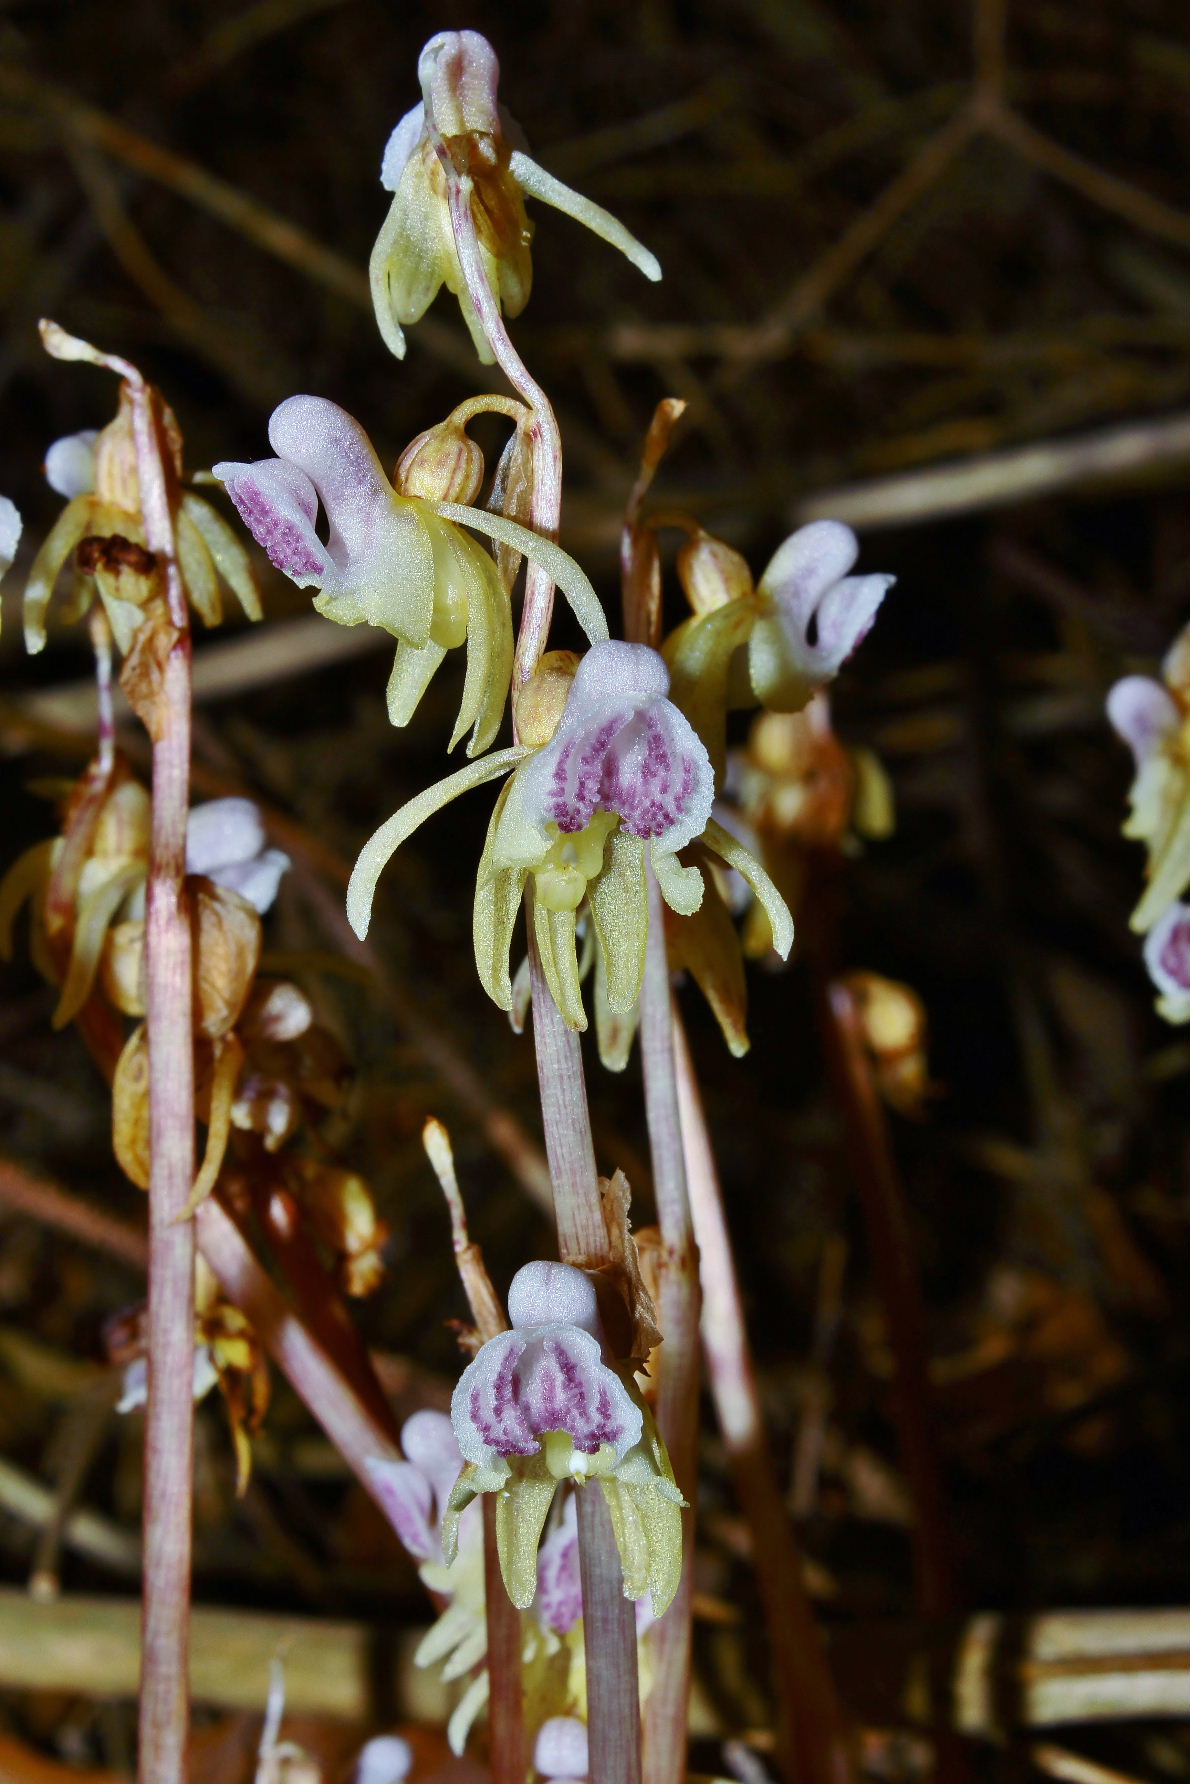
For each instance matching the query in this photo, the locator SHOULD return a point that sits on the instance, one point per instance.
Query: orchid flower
(1167, 956)
(621, 785)
(459, 131)
(101, 532)
(799, 624)
(394, 561)
(1153, 718)
(538, 1406)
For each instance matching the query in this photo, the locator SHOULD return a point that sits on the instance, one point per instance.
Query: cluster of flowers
(1153, 718)
(538, 1415)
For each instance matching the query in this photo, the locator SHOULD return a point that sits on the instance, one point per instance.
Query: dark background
(1014, 297)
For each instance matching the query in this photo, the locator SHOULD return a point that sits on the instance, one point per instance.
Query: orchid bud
(711, 573)
(276, 1011)
(443, 464)
(10, 531)
(386, 1759)
(70, 464)
(893, 1023)
(540, 703)
(561, 1751)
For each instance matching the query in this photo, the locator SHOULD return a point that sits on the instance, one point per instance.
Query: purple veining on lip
(279, 506)
(1173, 954)
(607, 768)
(537, 1379)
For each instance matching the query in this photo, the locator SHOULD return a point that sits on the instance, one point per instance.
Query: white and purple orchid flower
(814, 614)
(623, 784)
(1153, 718)
(392, 560)
(1167, 956)
(543, 1387)
(459, 126)
(538, 1406)
(777, 643)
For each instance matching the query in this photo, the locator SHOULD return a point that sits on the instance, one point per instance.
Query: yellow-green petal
(732, 850)
(555, 935)
(71, 525)
(384, 843)
(619, 901)
(412, 671)
(699, 654)
(228, 554)
(573, 582)
(498, 893)
(198, 571)
(521, 1510)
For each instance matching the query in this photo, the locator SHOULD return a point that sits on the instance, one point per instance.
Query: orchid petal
(619, 904)
(1143, 713)
(520, 1519)
(498, 894)
(534, 180)
(198, 571)
(554, 933)
(806, 586)
(731, 850)
(227, 554)
(1167, 957)
(70, 526)
(414, 667)
(379, 552)
(278, 504)
(559, 1601)
(406, 135)
(383, 844)
(525, 1384)
(572, 581)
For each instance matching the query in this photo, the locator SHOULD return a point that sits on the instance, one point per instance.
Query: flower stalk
(677, 1359)
(811, 1733)
(869, 1152)
(608, 1621)
(169, 1424)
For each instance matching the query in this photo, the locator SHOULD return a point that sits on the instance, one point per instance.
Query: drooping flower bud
(711, 573)
(443, 464)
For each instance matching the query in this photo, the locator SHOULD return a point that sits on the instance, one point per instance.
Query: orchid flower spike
(538, 1406)
(799, 624)
(459, 134)
(394, 561)
(1153, 718)
(617, 783)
